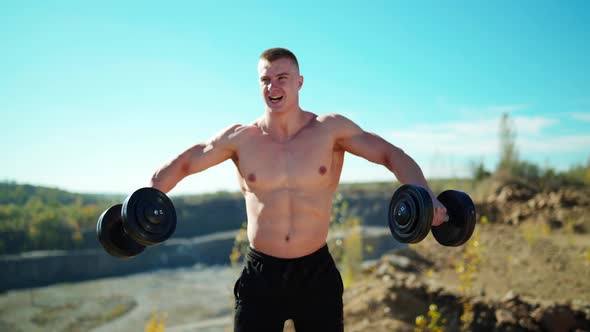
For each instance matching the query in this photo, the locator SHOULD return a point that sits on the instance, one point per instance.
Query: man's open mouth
(275, 99)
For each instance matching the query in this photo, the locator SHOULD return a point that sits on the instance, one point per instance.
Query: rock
(369, 266)
(384, 269)
(504, 195)
(516, 216)
(510, 296)
(407, 304)
(555, 318)
(410, 297)
(529, 324)
(400, 262)
(579, 228)
(532, 203)
(541, 203)
(554, 223)
(505, 317)
(411, 281)
(513, 192)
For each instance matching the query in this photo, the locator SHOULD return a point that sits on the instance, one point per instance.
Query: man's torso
(288, 187)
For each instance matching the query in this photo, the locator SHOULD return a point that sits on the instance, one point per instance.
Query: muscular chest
(303, 161)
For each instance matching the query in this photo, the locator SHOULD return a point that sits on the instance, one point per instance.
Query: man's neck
(282, 126)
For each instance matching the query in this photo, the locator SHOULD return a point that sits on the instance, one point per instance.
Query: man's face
(279, 83)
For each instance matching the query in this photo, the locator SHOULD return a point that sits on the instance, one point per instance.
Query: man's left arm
(351, 138)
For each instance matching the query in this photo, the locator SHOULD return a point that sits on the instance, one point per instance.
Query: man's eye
(282, 77)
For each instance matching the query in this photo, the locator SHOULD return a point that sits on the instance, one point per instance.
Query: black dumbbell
(411, 212)
(146, 218)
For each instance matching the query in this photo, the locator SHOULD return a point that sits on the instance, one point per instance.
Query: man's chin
(275, 108)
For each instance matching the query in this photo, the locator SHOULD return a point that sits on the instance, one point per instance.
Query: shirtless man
(289, 163)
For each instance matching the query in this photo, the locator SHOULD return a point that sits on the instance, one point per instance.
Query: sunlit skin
(289, 163)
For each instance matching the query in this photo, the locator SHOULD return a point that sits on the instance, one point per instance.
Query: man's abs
(288, 223)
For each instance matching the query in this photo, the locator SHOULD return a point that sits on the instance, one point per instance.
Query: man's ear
(300, 82)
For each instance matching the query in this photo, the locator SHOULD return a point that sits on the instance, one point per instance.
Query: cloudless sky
(95, 95)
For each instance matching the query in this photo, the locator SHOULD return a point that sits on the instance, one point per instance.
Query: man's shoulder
(234, 133)
(339, 126)
(239, 129)
(334, 120)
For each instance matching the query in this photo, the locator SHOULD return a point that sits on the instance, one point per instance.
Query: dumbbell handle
(446, 217)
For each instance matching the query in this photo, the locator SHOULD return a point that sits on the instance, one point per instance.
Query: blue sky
(94, 96)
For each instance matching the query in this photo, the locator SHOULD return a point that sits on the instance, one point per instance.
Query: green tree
(508, 150)
(479, 171)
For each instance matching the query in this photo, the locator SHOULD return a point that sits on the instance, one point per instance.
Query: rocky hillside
(527, 268)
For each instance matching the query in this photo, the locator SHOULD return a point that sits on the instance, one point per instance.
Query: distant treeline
(38, 218)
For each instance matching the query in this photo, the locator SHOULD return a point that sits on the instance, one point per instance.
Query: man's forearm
(168, 176)
(406, 169)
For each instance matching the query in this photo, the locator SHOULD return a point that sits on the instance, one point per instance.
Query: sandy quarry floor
(194, 299)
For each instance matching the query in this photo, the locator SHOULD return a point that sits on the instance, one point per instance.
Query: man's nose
(270, 85)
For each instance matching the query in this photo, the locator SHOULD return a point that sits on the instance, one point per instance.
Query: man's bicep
(350, 137)
(204, 155)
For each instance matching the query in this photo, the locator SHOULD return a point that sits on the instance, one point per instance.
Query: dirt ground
(552, 266)
(536, 248)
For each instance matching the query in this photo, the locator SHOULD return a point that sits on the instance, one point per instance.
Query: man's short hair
(273, 54)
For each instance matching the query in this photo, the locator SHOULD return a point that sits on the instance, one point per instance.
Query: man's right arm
(196, 159)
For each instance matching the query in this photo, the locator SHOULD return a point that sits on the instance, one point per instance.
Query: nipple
(251, 177)
(323, 170)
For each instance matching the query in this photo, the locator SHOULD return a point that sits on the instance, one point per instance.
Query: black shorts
(271, 290)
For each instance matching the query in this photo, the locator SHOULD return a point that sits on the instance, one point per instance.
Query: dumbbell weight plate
(410, 213)
(462, 218)
(149, 216)
(112, 236)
